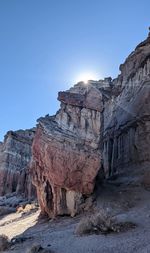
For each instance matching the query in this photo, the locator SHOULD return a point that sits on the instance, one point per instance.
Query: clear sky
(46, 44)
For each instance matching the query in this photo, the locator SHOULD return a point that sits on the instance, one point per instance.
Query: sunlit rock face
(104, 125)
(66, 150)
(15, 155)
(126, 134)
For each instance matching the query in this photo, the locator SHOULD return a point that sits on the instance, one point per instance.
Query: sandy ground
(129, 202)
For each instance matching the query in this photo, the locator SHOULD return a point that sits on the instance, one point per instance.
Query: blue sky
(46, 44)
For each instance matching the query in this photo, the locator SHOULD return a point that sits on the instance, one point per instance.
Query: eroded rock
(126, 134)
(15, 155)
(102, 125)
(66, 155)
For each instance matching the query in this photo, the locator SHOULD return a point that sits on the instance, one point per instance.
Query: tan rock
(15, 154)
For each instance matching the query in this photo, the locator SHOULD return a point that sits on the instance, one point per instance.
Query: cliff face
(15, 155)
(102, 125)
(66, 154)
(126, 134)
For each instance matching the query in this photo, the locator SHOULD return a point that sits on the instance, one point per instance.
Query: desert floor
(127, 200)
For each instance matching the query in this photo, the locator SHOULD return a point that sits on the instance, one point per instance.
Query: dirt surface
(127, 200)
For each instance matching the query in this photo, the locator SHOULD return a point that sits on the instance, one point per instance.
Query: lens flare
(85, 77)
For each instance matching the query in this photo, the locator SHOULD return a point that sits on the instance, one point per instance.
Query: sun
(85, 77)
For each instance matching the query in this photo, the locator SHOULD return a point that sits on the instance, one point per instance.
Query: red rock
(66, 156)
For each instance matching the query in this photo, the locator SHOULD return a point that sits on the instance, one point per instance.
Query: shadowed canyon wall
(126, 134)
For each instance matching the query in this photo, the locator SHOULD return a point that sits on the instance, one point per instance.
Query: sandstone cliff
(126, 133)
(66, 155)
(102, 125)
(15, 154)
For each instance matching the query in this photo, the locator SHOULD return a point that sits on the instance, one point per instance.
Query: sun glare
(85, 77)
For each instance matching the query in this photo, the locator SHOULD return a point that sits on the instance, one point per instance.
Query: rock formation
(104, 125)
(15, 155)
(126, 134)
(66, 155)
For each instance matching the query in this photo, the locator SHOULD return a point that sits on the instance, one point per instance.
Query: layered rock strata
(126, 135)
(102, 125)
(15, 155)
(66, 149)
